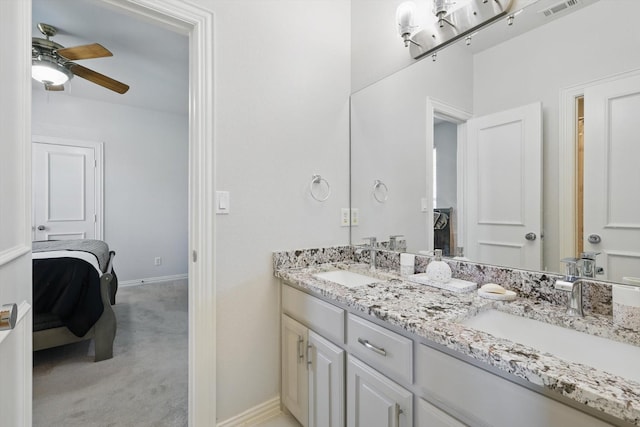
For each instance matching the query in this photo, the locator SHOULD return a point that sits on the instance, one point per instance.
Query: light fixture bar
(462, 22)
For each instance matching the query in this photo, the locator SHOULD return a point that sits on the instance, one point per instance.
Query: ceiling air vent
(559, 7)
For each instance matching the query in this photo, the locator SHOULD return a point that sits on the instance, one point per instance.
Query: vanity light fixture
(452, 20)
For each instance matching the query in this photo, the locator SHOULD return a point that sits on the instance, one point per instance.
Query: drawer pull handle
(300, 349)
(367, 344)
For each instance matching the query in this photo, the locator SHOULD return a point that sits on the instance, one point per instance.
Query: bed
(74, 286)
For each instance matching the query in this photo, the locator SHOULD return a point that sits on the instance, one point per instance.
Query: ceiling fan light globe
(51, 73)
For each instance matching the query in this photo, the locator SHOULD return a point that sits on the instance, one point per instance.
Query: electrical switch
(222, 202)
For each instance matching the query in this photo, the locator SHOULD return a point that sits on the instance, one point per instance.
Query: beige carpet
(145, 384)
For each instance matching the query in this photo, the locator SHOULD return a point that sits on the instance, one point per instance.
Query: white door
(504, 188)
(65, 178)
(612, 174)
(326, 383)
(374, 400)
(295, 377)
(15, 242)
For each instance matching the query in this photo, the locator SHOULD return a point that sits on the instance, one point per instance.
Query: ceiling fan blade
(54, 88)
(99, 79)
(87, 51)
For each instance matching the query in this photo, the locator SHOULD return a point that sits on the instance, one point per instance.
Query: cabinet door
(429, 416)
(374, 400)
(295, 380)
(326, 383)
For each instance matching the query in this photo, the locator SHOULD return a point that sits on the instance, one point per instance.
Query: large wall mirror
(519, 148)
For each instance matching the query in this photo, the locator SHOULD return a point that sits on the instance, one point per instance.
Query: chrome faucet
(393, 241)
(572, 285)
(588, 265)
(372, 252)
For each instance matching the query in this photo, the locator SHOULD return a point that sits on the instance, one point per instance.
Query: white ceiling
(152, 60)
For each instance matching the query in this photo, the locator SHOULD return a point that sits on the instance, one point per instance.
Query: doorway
(445, 185)
(446, 145)
(197, 23)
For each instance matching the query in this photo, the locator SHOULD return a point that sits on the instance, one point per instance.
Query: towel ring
(380, 187)
(317, 179)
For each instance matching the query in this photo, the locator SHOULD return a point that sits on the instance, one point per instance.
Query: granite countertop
(435, 315)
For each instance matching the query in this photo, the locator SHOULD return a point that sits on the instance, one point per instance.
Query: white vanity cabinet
(312, 359)
(312, 376)
(373, 400)
(340, 369)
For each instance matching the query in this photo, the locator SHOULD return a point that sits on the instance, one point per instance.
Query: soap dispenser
(438, 270)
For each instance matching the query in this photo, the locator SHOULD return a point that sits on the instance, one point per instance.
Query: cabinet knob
(8, 316)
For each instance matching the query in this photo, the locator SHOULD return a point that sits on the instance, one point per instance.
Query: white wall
(538, 65)
(388, 139)
(377, 50)
(145, 185)
(282, 73)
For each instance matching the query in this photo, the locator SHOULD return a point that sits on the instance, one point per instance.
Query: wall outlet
(355, 217)
(344, 217)
(157, 261)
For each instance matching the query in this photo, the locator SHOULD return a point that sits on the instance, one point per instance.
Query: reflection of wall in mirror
(388, 134)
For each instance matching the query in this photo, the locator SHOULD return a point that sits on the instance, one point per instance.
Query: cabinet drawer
(480, 398)
(383, 349)
(322, 317)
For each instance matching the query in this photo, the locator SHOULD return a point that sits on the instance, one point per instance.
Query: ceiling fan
(51, 63)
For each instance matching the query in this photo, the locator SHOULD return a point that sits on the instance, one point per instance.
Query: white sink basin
(346, 278)
(610, 356)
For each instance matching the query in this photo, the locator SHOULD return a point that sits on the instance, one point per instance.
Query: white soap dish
(507, 296)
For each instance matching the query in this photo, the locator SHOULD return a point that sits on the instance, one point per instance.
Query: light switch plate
(355, 217)
(344, 217)
(222, 202)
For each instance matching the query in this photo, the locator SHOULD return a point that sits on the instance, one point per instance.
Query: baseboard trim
(160, 279)
(263, 412)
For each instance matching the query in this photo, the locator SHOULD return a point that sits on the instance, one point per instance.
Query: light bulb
(49, 73)
(405, 17)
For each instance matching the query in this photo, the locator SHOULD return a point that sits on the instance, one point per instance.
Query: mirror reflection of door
(611, 176)
(503, 203)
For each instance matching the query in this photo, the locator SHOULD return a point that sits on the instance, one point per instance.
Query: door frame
(197, 23)
(567, 155)
(437, 108)
(98, 150)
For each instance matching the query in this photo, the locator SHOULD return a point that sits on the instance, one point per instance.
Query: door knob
(8, 316)
(530, 236)
(41, 227)
(594, 238)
